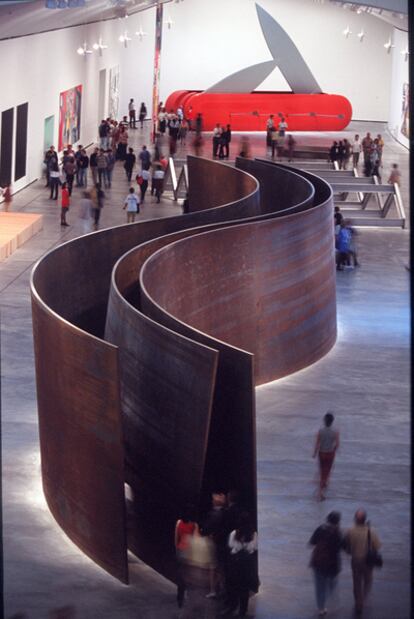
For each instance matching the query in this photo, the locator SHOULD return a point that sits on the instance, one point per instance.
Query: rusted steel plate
(204, 393)
(267, 287)
(281, 189)
(82, 453)
(167, 387)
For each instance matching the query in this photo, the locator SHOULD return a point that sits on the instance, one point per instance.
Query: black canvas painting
(21, 141)
(6, 146)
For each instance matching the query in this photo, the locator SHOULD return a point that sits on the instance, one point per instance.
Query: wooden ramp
(16, 229)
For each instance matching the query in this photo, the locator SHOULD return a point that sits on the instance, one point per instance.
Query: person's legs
(144, 187)
(367, 577)
(244, 602)
(69, 180)
(358, 584)
(325, 461)
(320, 589)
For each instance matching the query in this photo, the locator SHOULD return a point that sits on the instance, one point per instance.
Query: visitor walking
(142, 114)
(54, 180)
(110, 163)
(131, 112)
(85, 212)
(362, 543)
(143, 180)
(129, 163)
(158, 181)
(102, 163)
(97, 197)
(395, 175)
(327, 443)
(7, 196)
(131, 205)
(186, 527)
(65, 197)
(325, 560)
(290, 143)
(356, 151)
(242, 576)
(93, 164)
(145, 158)
(69, 168)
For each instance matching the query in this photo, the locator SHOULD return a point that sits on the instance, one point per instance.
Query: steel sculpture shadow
(147, 359)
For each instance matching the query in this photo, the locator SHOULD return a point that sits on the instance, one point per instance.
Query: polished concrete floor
(364, 380)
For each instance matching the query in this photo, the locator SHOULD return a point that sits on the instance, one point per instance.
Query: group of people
(361, 542)
(276, 141)
(173, 124)
(370, 148)
(132, 114)
(228, 533)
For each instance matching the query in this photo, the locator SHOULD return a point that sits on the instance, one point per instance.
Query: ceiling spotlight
(347, 32)
(124, 38)
(99, 46)
(361, 36)
(406, 53)
(388, 46)
(359, 11)
(83, 51)
(140, 33)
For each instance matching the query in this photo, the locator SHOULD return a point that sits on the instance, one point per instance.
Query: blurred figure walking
(325, 560)
(327, 442)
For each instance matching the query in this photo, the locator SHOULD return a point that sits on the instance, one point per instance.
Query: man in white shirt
(356, 150)
(131, 110)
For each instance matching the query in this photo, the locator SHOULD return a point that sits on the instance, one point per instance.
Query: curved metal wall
(172, 381)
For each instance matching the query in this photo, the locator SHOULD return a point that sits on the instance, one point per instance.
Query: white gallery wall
(210, 40)
(37, 68)
(398, 116)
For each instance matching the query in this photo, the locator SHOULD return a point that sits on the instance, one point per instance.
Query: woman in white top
(242, 567)
(131, 205)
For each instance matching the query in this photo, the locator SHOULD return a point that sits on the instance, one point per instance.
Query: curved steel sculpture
(147, 377)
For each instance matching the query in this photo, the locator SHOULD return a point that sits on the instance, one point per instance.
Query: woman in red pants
(327, 442)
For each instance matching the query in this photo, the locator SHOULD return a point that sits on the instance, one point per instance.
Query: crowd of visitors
(226, 540)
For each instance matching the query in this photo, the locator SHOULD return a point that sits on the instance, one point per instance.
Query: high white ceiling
(24, 17)
(18, 18)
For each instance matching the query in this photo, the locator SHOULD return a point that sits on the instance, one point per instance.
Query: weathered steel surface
(281, 190)
(82, 454)
(167, 387)
(213, 185)
(71, 285)
(259, 302)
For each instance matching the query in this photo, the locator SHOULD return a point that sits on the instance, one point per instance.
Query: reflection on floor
(364, 380)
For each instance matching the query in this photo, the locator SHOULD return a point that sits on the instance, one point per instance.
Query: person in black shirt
(129, 163)
(326, 560)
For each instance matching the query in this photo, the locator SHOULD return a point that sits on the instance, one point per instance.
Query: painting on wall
(113, 103)
(70, 116)
(405, 113)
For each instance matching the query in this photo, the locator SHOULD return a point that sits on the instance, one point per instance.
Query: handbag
(373, 558)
